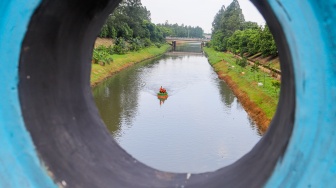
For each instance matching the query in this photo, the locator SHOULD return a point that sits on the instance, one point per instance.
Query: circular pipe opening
(67, 131)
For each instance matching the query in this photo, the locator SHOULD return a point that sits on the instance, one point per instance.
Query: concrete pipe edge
(77, 149)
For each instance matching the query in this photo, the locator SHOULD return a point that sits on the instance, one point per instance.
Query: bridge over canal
(187, 39)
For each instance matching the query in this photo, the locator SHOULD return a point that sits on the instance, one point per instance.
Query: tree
(176, 30)
(131, 21)
(231, 32)
(217, 20)
(249, 25)
(268, 46)
(226, 22)
(254, 43)
(104, 31)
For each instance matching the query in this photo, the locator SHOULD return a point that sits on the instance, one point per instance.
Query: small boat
(162, 93)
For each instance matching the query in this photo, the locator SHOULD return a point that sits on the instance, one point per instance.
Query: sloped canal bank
(260, 101)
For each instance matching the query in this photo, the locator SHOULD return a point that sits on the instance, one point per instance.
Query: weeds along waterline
(100, 72)
(256, 90)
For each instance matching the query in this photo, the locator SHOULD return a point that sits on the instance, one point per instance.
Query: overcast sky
(196, 12)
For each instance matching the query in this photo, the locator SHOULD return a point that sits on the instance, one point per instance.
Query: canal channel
(201, 126)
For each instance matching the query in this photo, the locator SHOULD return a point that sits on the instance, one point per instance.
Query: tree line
(130, 20)
(175, 30)
(131, 28)
(231, 32)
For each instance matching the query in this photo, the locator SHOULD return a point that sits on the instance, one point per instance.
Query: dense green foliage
(242, 62)
(231, 32)
(102, 55)
(175, 30)
(252, 41)
(131, 30)
(131, 21)
(226, 22)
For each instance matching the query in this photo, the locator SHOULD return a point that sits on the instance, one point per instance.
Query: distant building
(207, 36)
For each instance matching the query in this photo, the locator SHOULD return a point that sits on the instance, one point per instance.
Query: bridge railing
(187, 39)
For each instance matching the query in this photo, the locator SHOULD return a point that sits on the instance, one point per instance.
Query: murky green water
(200, 127)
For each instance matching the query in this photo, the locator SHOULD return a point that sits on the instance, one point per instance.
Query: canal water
(201, 127)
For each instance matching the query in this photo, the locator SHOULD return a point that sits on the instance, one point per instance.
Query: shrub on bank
(120, 46)
(147, 42)
(241, 62)
(99, 73)
(135, 44)
(102, 55)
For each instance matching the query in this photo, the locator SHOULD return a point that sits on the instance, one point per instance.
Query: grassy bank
(120, 62)
(254, 89)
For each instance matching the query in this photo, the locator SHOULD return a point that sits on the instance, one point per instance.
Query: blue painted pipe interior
(19, 163)
(310, 157)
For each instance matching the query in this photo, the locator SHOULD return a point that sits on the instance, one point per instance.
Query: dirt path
(103, 42)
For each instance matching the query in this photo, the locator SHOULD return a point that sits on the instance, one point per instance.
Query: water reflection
(226, 94)
(189, 47)
(162, 101)
(119, 104)
(201, 127)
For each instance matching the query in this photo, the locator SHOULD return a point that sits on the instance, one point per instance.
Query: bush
(119, 50)
(276, 85)
(102, 55)
(110, 50)
(147, 42)
(242, 62)
(120, 46)
(135, 44)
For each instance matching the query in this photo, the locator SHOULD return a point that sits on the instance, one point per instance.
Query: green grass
(99, 73)
(265, 97)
